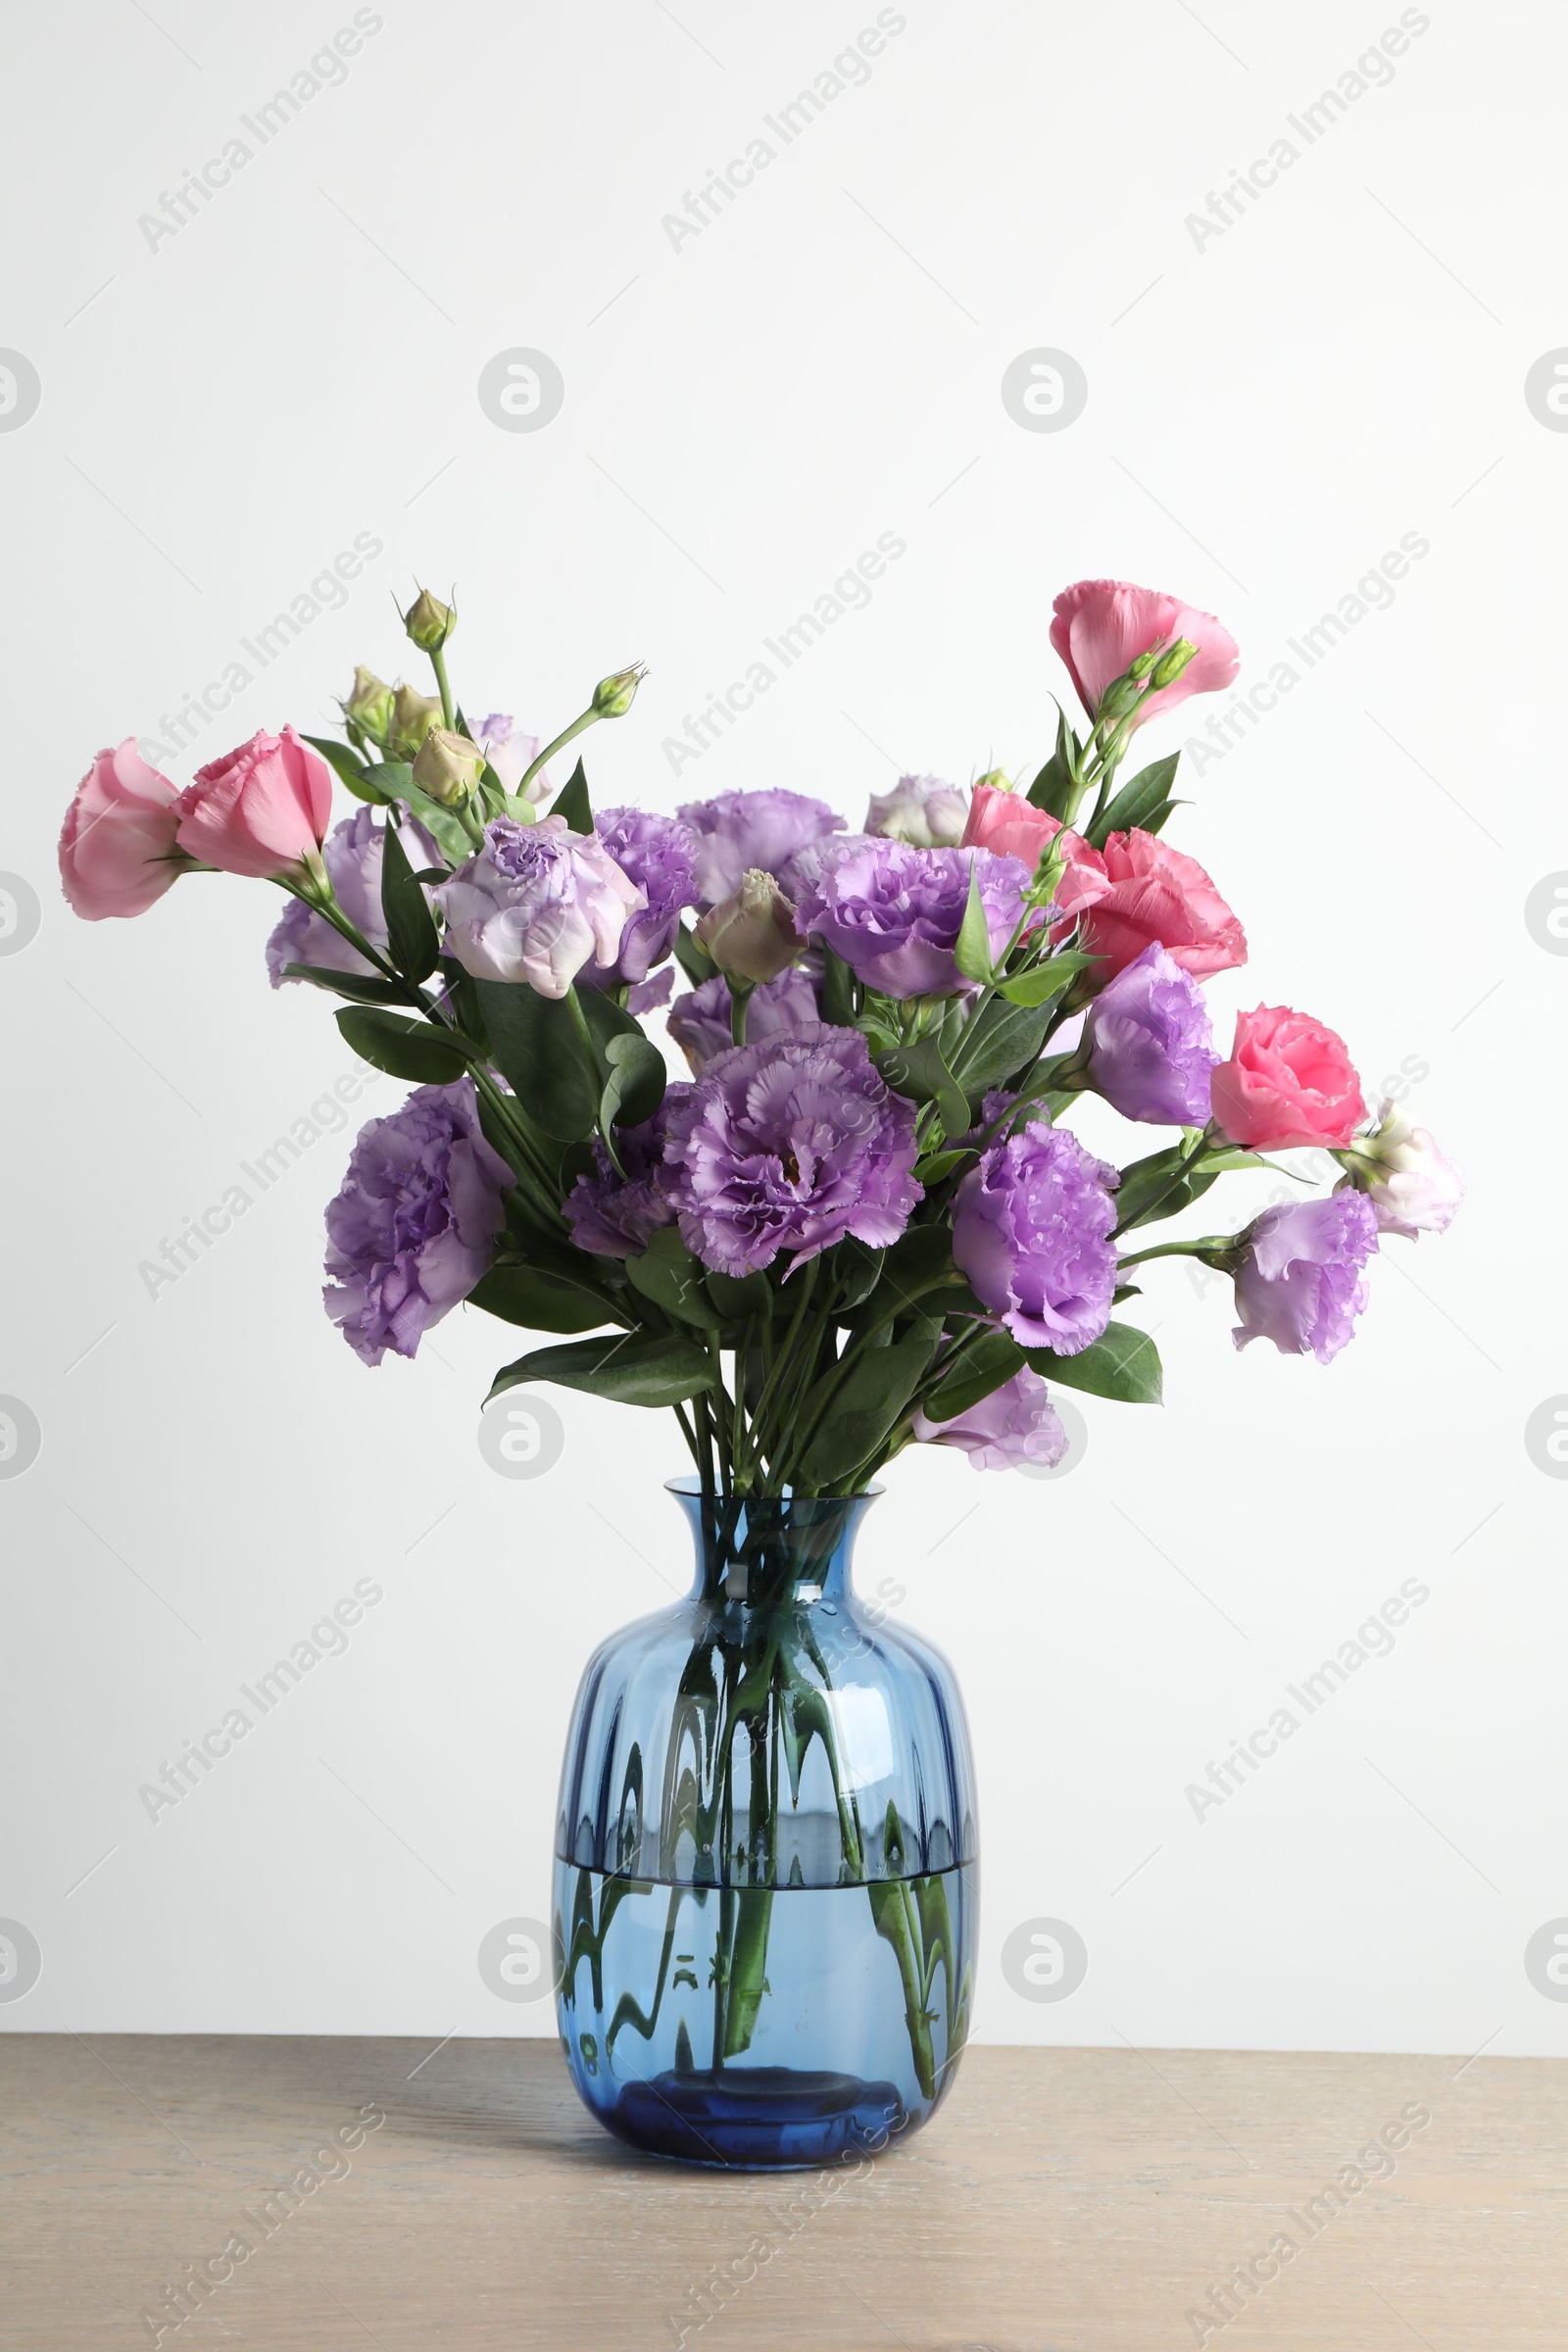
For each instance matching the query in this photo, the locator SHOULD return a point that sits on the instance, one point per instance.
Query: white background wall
(1269, 412)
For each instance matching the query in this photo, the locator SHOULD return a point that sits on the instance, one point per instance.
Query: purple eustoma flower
(617, 1216)
(413, 1227)
(739, 831)
(658, 855)
(1300, 1283)
(1014, 1428)
(700, 1020)
(536, 904)
(1151, 1045)
(510, 753)
(893, 912)
(1031, 1230)
(791, 1145)
(352, 854)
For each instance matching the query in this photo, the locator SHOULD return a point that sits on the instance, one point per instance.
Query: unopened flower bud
(413, 717)
(1168, 668)
(612, 697)
(1412, 1186)
(999, 779)
(448, 767)
(752, 933)
(428, 621)
(369, 703)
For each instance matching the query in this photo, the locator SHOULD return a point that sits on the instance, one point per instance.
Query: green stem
(1183, 1167)
(561, 740)
(1211, 1244)
(438, 663)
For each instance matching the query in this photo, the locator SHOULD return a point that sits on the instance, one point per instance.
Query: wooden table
(1062, 2201)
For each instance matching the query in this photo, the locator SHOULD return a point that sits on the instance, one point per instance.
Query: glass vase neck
(767, 1549)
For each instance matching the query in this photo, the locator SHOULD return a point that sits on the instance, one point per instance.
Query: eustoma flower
(1288, 1081)
(1150, 1048)
(789, 1146)
(1014, 1428)
(1031, 1230)
(741, 830)
(1102, 626)
(262, 811)
(1013, 828)
(616, 1215)
(510, 754)
(658, 855)
(351, 856)
(1300, 1282)
(1154, 893)
(117, 848)
(536, 904)
(413, 1227)
(1412, 1188)
(920, 810)
(893, 912)
(700, 1020)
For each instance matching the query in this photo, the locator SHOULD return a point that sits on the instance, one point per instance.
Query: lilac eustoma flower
(1300, 1283)
(617, 1216)
(658, 855)
(352, 854)
(893, 912)
(700, 1020)
(1031, 1230)
(1151, 1045)
(413, 1227)
(510, 753)
(739, 831)
(536, 904)
(1013, 1428)
(791, 1145)
(922, 810)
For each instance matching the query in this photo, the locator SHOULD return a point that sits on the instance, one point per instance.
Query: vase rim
(689, 1488)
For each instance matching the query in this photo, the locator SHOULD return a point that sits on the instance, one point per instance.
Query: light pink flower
(260, 809)
(116, 846)
(1102, 626)
(1157, 894)
(1012, 826)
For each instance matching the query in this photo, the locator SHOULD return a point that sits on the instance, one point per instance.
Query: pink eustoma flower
(117, 847)
(1102, 626)
(260, 810)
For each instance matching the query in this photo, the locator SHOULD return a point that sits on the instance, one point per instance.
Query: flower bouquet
(862, 1222)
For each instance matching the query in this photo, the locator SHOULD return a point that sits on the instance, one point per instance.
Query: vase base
(758, 2118)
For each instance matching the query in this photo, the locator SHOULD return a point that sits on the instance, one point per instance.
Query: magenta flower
(744, 830)
(413, 1227)
(700, 1020)
(1031, 1230)
(1300, 1283)
(536, 904)
(1151, 1045)
(1013, 1426)
(893, 912)
(791, 1145)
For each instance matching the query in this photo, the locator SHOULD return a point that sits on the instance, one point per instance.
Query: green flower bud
(998, 778)
(369, 703)
(413, 717)
(612, 697)
(448, 767)
(1168, 668)
(752, 933)
(428, 621)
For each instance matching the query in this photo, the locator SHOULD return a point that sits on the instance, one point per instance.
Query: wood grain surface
(1062, 2201)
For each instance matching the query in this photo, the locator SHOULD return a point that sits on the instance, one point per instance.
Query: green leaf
(1006, 1039)
(1052, 788)
(837, 991)
(861, 1401)
(1150, 1189)
(538, 1301)
(667, 1273)
(394, 781)
(641, 1367)
(916, 1258)
(571, 801)
(920, 1072)
(986, 1365)
(606, 1018)
(736, 1299)
(635, 1087)
(1122, 1363)
(411, 932)
(936, 1165)
(345, 984)
(348, 768)
(1144, 797)
(972, 950)
(1047, 981)
(857, 1269)
(405, 1049)
(534, 1045)
(693, 958)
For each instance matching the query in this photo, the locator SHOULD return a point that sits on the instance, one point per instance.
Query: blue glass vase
(766, 1886)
